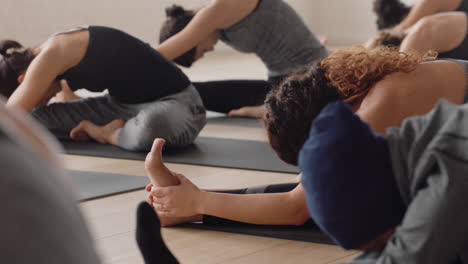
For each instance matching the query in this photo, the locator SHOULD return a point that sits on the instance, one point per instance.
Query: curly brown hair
(347, 75)
(354, 71)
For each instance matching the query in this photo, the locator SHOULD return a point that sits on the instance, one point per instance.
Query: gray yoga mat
(235, 121)
(94, 185)
(306, 233)
(215, 152)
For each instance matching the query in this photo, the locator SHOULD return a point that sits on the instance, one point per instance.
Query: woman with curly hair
(383, 86)
(271, 29)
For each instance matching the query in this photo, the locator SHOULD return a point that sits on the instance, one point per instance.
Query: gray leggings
(177, 118)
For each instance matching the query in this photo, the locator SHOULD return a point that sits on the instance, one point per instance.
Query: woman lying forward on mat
(148, 96)
(39, 210)
(401, 199)
(440, 30)
(269, 28)
(383, 86)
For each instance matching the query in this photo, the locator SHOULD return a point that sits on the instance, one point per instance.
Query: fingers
(238, 112)
(161, 191)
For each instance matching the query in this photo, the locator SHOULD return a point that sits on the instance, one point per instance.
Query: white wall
(32, 21)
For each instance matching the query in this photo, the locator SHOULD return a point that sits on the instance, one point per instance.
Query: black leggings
(275, 188)
(224, 96)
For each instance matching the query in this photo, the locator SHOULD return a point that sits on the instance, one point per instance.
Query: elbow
(423, 29)
(300, 215)
(300, 218)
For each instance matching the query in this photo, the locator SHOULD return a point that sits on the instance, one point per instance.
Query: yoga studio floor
(112, 219)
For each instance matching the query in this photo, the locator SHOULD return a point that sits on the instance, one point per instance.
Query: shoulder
(232, 6)
(68, 48)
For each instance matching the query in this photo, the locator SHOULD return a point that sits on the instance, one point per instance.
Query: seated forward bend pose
(149, 97)
(383, 86)
(269, 28)
(403, 198)
(446, 33)
(41, 222)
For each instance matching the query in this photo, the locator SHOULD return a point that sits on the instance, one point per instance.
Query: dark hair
(387, 38)
(14, 60)
(291, 106)
(346, 74)
(389, 13)
(177, 19)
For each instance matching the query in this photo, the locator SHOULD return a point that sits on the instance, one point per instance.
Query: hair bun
(5, 45)
(175, 10)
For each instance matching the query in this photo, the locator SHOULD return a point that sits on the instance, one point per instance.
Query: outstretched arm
(441, 32)
(37, 80)
(217, 15)
(186, 200)
(57, 55)
(424, 8)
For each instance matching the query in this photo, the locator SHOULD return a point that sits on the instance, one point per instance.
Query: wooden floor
(112, 219)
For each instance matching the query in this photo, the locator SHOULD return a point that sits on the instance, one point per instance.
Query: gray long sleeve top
(430, 161)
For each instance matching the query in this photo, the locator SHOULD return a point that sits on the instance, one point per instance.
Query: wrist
(200, 202)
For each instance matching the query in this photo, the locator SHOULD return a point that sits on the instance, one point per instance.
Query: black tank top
(460, 52)
(131, 70)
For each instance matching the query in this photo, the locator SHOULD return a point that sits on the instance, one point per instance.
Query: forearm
(421, 9)
(263, 209)
(441, 32)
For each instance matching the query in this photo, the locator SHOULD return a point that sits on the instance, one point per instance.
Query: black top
(131, 70)
(460, 52)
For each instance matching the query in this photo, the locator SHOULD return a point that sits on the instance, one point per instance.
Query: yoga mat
(94, 185)
(236, 121)
(215, 152)
(307, 233)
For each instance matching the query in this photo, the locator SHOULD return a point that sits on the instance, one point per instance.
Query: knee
(174, 124)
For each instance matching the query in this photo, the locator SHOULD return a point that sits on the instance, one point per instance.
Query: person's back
(415, 92)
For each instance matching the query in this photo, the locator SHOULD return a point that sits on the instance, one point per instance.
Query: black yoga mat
(235, 121)
(215, 152)
(307, 233)
(94, 185)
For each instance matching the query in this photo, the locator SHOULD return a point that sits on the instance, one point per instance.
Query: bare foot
(86, 130)
(249, 111)
(159, 174)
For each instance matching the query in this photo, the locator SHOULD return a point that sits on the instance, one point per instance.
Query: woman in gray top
(269, 28)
